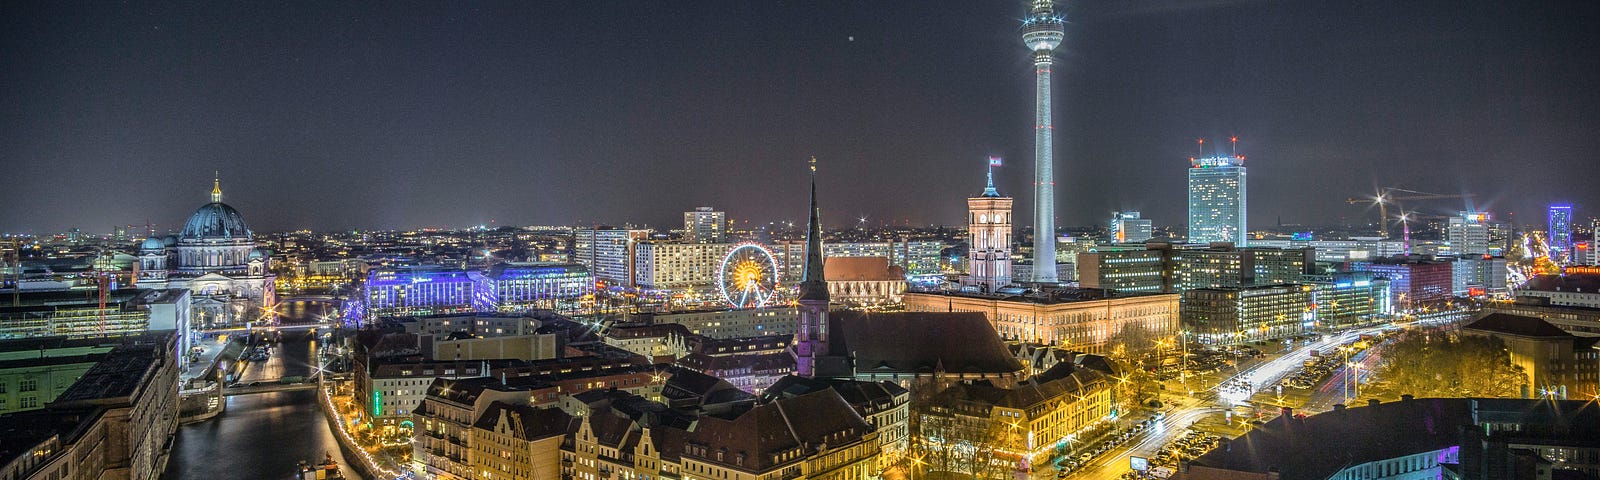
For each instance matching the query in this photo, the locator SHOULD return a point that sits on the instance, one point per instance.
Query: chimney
(1338, 407)
(1407, 397)
(1288, 412)
(1372, 403)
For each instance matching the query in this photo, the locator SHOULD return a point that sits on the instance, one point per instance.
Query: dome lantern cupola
(216, 188)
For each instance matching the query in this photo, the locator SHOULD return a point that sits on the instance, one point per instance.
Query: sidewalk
(203, 367)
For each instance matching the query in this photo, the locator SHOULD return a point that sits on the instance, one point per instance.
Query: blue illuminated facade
(514, 287)
(1560, 233)
(422, 290)
(507, 287)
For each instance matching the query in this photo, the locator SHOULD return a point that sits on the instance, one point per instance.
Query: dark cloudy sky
(365, 115)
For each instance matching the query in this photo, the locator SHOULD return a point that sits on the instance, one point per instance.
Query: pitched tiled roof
(687, 388)
(646, 331)
(920, 342)
(614, 430)
(528, 423)
(780, 361)
(847, 269)
(1519, 325)
(1319, 446)
(868, 398)
(1572, 282)
(759, 438)
(465, 391)
(1028, 394)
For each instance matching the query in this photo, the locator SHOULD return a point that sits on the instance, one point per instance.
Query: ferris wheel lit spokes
(749, 276)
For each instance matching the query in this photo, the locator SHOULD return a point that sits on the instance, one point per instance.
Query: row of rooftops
(706, 418)
(796, 418)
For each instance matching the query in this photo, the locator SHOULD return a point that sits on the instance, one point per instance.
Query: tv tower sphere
(1043, 30)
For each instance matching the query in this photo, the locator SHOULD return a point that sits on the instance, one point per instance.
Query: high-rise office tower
(1468, 233)
(704, 225)
(1590, 253)
(1042, 33)
(1560, 233)
(1217, 200)
(989, 236)
(1127, 227)
(607, 252)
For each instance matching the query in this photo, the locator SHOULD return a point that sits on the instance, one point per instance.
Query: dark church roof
(920, 342)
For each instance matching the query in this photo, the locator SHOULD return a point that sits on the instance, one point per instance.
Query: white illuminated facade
(1468, 233)
(216, 259)
(1217, 200)
(705, 225)
(665, 266)
(607, 252)
(1127, 227)
(917, 257)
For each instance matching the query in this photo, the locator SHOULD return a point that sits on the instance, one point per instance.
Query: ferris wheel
(749, 276)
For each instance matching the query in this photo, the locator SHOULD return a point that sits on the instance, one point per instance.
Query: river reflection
(261, 436)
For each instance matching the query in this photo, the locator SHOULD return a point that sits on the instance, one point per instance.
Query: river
(261, 436)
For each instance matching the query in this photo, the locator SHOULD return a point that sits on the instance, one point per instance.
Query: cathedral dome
(152, 243)
(215, 221)
(256, 253)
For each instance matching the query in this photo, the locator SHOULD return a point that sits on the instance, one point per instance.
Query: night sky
(335, 115)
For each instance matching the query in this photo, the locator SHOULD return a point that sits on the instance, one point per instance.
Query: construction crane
(1387, 195)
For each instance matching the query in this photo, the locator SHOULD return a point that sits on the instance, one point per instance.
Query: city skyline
(563, 240)
(338, 119)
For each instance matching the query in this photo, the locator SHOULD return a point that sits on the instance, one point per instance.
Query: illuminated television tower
(1042, 32)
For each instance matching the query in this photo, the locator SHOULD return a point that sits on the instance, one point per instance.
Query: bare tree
(1432, 364)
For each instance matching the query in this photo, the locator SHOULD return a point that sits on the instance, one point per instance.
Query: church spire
(216, 187)
(813, 286)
